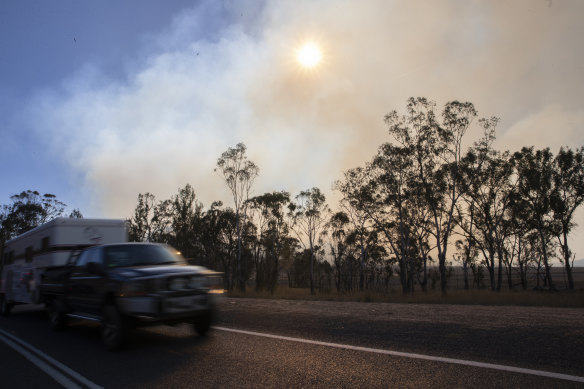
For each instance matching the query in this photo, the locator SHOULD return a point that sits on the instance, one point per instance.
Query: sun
(309, 55)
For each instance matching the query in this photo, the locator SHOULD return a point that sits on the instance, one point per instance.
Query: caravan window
(9, 258)
(28, 254)
(45, 244)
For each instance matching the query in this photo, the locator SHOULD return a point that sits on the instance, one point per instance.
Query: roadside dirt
(476, 316)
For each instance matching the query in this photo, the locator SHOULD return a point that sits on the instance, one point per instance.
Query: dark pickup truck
(129, 284)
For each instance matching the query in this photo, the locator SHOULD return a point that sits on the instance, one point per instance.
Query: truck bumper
(161, 309)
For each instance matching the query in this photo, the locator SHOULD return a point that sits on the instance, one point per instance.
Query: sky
(103, 100)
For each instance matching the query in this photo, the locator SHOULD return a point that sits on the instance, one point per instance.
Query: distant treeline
(421, 202)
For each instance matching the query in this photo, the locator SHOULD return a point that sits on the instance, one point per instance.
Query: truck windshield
(141, 255)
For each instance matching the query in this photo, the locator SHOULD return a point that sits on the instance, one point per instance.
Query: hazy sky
(102, 100)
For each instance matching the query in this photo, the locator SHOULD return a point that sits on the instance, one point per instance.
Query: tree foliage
(28, 210)
(309, 214)
(239, 174)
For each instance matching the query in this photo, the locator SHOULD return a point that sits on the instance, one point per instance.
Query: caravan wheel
(5, 306)
(57, 318)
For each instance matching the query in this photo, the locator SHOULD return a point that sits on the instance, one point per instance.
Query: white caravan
(51, 244)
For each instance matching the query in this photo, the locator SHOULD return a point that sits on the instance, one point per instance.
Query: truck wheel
(5, 306)
(202, 324)
(57, 318)
(114, 328)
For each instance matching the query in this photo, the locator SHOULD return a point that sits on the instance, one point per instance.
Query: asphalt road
(172, 357)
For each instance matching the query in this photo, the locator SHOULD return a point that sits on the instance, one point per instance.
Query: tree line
(422, 194)
(422, 200)
(421, 204)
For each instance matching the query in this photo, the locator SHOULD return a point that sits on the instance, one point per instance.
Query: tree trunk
(239, 275)
(499, 272)
(312, 292)
(567, 266)
(491, 267)
(523, 274)
(548, 274)
(510, 277)
(362, 267)
(465, 273)
(442, 268)
(425, 280)
(403, 274)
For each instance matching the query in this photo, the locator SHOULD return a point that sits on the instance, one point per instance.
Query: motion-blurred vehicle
(130, 284)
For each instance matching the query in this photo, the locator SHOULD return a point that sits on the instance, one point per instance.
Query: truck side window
(83, 258)
(90, 255)
(95, 256)
(117, 256)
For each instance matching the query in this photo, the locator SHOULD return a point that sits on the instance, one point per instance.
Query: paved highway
(280, 345)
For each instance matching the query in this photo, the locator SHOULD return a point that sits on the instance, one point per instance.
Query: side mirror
(94, 268)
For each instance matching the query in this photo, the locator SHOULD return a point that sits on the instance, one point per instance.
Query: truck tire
(5, 306)
(202, 324)
(57, 318)
(114, 328)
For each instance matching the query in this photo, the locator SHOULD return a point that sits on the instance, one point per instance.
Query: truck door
(87, 282)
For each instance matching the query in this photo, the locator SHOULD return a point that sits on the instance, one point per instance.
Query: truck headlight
(215, 284)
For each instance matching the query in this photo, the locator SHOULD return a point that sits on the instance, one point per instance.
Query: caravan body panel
(51, 244)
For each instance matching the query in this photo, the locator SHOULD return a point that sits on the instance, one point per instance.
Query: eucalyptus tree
(466, 248)
(268, 211)
(339, 227)
(152, 220)
(436, 147)
(466, 253)
(394, 175)
(290, 247)
(76, 214)
(523, 246)
(186, 214)
(219, 241)
(309, 214)
(489, 184)
(239, 174)
(161, 222)
(140, 224)
(421, 227)
(260, 220)
(476, 203)
(568, 180)
(534, 197)
(378, 200)
(359, 207)
(27, 210)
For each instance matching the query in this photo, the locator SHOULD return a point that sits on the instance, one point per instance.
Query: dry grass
(567, 299)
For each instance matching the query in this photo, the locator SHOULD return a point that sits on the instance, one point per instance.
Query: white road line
(54, 374)
(21, 346)
(511, 369)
